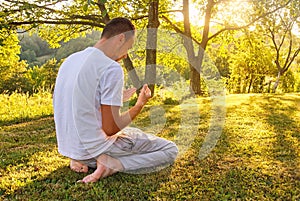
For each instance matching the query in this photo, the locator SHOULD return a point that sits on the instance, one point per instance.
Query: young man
(88, 95)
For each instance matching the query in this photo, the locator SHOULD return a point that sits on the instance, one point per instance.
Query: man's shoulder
(115, 68)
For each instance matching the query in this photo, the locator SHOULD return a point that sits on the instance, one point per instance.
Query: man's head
(120, 33)
(118, 26)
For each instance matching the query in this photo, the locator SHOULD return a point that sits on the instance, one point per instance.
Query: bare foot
(78, 167)
(106, 166)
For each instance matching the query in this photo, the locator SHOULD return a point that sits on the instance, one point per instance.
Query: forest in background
(37, 52)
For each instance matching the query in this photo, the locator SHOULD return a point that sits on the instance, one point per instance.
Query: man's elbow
(109, 131)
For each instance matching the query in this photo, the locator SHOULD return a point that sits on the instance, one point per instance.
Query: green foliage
(297, 81)
(36, 51)
(15, 79)
(288, 82)
(284, 43)
(43, 78)
(170, 101)
(55, 35)
(220, 52)
(167, 95)
(59, 21)
(40, 73)
(9, 50)
(77, 44)
(171, 64)
(12, 70)
(28, 55)
(251, 62)
(31, 80)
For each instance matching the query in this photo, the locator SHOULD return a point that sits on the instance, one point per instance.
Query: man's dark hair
(117, 26)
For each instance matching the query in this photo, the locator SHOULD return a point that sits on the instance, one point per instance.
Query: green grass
(257, 157)
(18, 107)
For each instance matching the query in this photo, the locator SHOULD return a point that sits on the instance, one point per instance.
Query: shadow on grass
(33, 170)
(19, 120)
(20, 141)
(61, 185)
(279, 113)
(257, 156)
(280, 116)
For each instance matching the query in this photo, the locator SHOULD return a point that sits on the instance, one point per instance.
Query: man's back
(77, 118)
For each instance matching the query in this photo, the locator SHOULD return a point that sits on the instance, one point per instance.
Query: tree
(33, 49)
(286, 46)
(42, 78)
(11, 70)
(60, 20)
(250, 63)
(211, 12)
(153, 23)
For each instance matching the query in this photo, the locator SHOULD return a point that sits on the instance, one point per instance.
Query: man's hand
(144, 96)
(113, 121)
(128, 93)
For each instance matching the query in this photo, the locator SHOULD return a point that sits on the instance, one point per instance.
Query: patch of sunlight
(259, 142)
(265, 153)
(38, 166)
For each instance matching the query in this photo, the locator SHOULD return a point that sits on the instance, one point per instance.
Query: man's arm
(113, 121)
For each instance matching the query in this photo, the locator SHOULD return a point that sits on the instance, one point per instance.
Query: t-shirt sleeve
(111, 86)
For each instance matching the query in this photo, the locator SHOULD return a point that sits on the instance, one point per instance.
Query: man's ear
(122, 37)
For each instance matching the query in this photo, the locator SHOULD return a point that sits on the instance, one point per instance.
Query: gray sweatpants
(140, 152)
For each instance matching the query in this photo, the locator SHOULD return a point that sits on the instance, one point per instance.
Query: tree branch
(289, 51)
(292, 59)
(171, 11)
(88, 17)
(57, 22)
(178, 29)
(45, 7)
(103, 10)
(249, 24)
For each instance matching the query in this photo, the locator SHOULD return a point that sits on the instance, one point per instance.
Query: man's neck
(106, 47)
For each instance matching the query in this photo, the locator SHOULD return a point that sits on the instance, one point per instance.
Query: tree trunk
(132, 73)
(188, 44)
(261, 84)
(277, 82)
(250, 84)
(196, 61)
(195, 83)
(196, 75)
(153, 24)
(269, 86)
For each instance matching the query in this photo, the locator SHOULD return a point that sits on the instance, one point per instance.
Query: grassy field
(257, 156)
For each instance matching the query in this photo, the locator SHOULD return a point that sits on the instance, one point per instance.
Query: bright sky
(232, 11)
(194, 14)
(296, 30)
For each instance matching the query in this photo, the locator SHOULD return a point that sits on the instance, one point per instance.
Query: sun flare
(196, 18)
(234, 13)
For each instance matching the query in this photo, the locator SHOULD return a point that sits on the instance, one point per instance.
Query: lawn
(256, 157)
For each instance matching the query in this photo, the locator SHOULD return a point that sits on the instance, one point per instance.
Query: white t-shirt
(85, 80)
